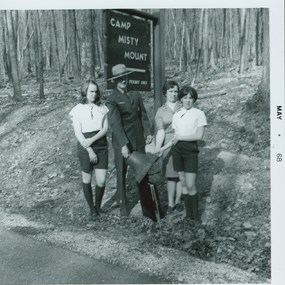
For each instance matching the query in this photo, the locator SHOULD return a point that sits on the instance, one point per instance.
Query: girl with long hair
(90, 124)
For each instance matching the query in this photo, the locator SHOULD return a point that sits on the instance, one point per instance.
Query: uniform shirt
(163, 117)
(186, 122)
(128, 119)
(91, 117)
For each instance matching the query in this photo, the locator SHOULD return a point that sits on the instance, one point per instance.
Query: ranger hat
(119, 70)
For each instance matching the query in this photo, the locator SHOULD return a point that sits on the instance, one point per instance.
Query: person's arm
(88, 141)
(77, 130)
(79, 136)
(92, 155)
(115, 122)
(145, 121)
(198, 135)
(160, 135)
(168, 145)
(159, 139)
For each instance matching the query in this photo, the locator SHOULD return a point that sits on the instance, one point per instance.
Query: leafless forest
(71, 42)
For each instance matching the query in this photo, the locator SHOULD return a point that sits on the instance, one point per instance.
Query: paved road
(26, 261)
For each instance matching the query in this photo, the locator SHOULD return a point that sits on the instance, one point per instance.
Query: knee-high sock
(87, 190)
(186, 199)
(194, 206)
(99, 192)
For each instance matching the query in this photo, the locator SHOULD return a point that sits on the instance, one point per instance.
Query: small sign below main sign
(128, 42)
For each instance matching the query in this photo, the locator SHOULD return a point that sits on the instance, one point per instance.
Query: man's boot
(123, 203)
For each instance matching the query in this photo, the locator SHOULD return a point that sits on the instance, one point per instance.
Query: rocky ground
(41, 194)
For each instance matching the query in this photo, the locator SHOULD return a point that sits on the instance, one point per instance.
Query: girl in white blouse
(90, 125)
(189, 125)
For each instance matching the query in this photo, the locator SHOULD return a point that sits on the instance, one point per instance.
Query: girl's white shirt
(186, 122)
(90, 117)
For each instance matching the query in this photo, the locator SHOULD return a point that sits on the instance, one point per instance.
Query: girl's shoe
(94, 214)
(179, 207)
(170, 210)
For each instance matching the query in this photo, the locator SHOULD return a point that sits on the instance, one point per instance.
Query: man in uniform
(131, 128)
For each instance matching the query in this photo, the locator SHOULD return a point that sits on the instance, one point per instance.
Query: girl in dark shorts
(188, 124)
(90, 127)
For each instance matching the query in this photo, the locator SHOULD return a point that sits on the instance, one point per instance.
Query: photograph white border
(276, 86)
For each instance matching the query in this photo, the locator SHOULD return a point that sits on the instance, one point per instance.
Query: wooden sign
(128, 42)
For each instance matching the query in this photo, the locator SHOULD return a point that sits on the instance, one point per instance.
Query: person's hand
(175, 139)
(152, 151)
(86, 142)
(158, 152)
(125, 151)
(149, 139)
(92, 155)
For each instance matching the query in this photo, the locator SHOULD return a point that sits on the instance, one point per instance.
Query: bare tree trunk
(251, 34)
(15, 19)
(211, 38)
(94, 34)
(87, 60)
(56, 46)
(246, 39)
(175, 33)
(41, 59)
(24, 60)
(2, 68)
(168, 51)
(66, 40)
(35, 45)
(265, 82)
(192, 40)
(200, 42)
(99, 39)
(223, 34)
(205, 40)
(6, 54)
(242, 43)
(39, 53)
(186, 43)
(28, 52)
(230, 34)
(101, 57)
(73, 44)
(13, 57)
(257, 37)
(49, 48)
(188, 49)
(182, 58)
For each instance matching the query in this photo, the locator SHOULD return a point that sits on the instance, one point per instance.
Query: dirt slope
(41, 180)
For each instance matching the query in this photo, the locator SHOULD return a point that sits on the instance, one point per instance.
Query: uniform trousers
(121, 169)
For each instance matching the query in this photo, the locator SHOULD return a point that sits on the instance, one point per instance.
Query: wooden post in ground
(159, 58)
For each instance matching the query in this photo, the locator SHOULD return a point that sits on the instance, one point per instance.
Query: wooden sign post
(128, 41)
(159, 58)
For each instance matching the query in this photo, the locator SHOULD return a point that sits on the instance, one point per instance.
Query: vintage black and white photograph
(141, 145)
